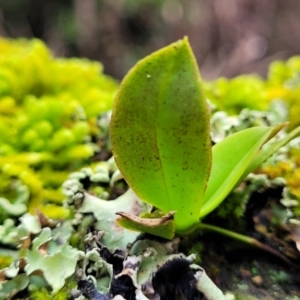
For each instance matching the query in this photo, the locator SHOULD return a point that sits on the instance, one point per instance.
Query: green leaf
(160, 132)
(268, 151)
(231, 157)
(163, 227)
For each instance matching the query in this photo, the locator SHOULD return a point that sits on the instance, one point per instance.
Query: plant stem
(245, 239)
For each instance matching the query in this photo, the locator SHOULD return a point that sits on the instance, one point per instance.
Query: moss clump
(254, 92)
(49, 110)
(5, 261)
(232, 95)
(44, 294)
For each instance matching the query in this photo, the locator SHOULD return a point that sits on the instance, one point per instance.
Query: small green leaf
(269, 150)
(160, 132)
(163, 227)
(231, 157)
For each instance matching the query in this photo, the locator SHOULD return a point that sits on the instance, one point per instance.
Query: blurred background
(229, 37)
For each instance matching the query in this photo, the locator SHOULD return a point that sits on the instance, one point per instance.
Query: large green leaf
(160, 132)
(231, 157)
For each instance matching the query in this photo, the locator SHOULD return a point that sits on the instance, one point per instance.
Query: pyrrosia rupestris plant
(161, 140)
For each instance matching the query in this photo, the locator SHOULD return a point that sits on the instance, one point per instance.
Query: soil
(248, 272)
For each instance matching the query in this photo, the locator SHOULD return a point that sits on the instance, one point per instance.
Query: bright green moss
(43, 294)
(232, 95)
(284, 82)
(286, 166)
(5, 261)
(254, 92)
(48, 121)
